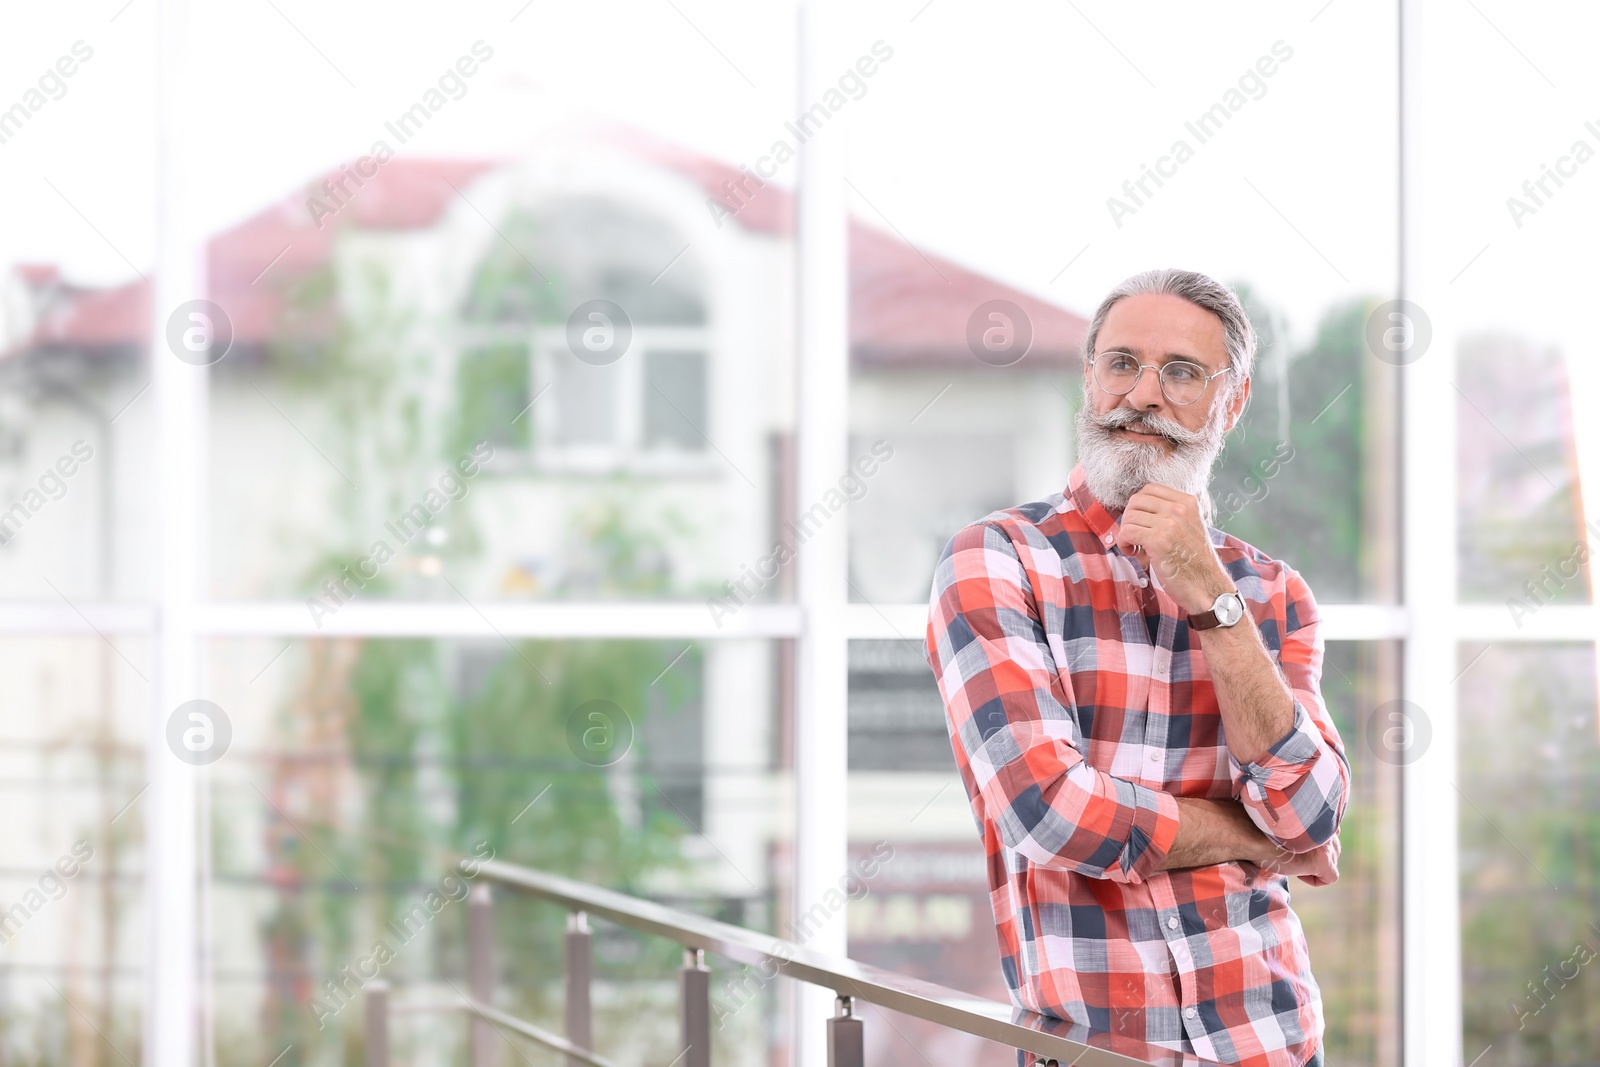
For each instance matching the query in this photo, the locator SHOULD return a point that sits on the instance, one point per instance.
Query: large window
(568, 474)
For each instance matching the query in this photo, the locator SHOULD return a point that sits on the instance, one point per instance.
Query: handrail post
(580, 973)
(845, 1045)
(694, 1009)
(480, 970)
(377, 1008)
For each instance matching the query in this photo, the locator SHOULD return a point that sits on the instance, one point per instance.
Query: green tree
(1312, 510)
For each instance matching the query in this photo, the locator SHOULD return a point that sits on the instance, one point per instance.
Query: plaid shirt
(1080, 708)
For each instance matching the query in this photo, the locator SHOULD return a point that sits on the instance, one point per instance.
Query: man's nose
(1146, 394)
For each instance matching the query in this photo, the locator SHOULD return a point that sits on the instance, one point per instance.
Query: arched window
(584, 340)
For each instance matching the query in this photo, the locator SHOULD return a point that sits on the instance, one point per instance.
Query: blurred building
(412, 334)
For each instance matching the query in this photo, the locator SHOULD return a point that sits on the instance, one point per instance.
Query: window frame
(178, 620)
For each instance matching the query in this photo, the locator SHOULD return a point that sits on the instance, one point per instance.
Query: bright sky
(994, 135)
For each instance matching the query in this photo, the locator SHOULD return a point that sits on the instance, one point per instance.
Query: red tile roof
(907, 309)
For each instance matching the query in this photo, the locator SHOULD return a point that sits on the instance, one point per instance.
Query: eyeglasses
(1182, 382)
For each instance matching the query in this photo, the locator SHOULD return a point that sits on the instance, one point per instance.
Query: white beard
(1116, 467)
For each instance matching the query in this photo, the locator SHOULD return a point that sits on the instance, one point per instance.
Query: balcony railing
(1050, 1041)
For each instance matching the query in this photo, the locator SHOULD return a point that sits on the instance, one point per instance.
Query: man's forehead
(1162, 330)
(1148, 355)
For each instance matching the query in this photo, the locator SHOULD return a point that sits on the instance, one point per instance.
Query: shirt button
(1155, 757)
(1111, 539)
(1190, 1013)
(1172, 924)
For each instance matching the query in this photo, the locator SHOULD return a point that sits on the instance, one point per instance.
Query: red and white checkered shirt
(1080, 708)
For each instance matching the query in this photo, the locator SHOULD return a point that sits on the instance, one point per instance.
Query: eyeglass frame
(1160, 381)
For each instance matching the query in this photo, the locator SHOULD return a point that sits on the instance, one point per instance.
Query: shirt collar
(1101, 519)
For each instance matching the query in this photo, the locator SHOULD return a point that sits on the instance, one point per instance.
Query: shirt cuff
(1281, 765)
(1155, 828)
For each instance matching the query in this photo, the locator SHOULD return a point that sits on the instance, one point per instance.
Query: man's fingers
(1318, 867)
(1166, 497)
(1162, 514)
(1142, 505)
(1164, 491)
(1133, 530)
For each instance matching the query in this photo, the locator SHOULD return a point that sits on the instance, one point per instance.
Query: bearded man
(1133, 700)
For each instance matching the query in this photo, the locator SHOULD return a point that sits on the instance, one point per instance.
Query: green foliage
(518, 735)
(617, 554)
(1530, 854)
(1518, 508)
(492, 389)
(513, 780)
(345, 347)
(508, 288)
(1312, 511)
(398, 688)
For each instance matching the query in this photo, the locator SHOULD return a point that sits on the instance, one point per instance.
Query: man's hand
(1168, 526)
(1320, 866)
(1220, 831)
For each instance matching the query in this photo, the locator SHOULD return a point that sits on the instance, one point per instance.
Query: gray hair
(1238, 336)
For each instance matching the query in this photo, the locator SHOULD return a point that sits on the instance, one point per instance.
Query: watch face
(1229, 609)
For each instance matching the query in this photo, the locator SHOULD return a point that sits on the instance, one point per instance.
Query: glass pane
(1530, 878)
(972, 292)
(72, 727)
(359, 770)
(923, 909)
(1522, 536)
(925, 906)
(77, 443)
(589, 398)
(75, 466)
(1353, 926)
(675, 399)
(1517, 257)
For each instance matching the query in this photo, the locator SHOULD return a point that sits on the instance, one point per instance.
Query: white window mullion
(823, 371)
(171, 994)
(1430, 858)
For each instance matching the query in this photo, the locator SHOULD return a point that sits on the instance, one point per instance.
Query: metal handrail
(534, 1033)
(1046, 1038)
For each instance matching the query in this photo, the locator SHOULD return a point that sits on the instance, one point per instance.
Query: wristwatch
(1228, 609)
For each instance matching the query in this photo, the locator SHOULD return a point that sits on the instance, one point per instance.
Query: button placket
(1160, 708)
(1166, 904)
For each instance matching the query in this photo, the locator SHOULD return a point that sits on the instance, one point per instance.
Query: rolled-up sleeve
(1297, 790)
(1015, 730)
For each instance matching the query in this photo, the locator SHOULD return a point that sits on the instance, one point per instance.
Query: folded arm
(1221, 831)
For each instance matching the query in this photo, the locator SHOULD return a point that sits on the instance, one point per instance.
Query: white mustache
(1123, 418)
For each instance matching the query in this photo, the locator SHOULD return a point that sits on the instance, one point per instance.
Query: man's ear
(1237, 404)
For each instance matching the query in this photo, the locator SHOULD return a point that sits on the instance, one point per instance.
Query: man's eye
(1123, 365)
(1183, 373)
